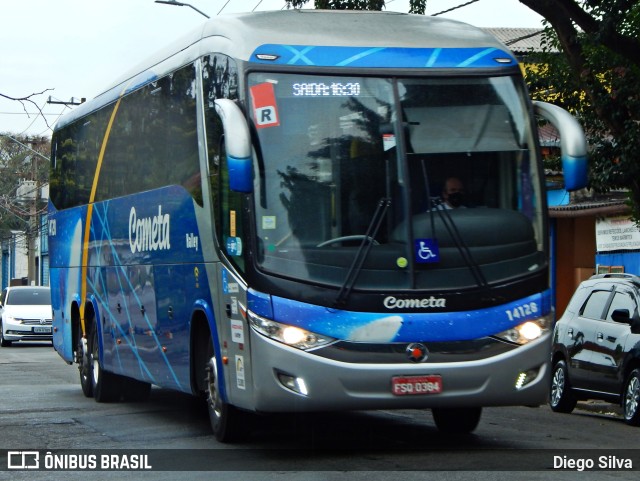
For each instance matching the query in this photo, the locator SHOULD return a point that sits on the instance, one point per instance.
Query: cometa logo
(391, 302)
(149, 233)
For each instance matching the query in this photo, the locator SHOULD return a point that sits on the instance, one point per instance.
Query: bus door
(233, 336)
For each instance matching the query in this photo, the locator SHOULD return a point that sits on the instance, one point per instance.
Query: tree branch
(28, 100)
(628, 47)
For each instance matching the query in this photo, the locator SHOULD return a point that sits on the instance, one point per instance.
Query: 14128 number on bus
(411, 385)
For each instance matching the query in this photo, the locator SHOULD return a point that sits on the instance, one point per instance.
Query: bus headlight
(527, 331)
(290, 335)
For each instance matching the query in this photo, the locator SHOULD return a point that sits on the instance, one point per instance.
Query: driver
(452, 193)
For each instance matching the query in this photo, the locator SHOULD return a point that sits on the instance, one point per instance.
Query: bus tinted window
(152, 143)
(220, 80)
(75, 151)
(336, 148)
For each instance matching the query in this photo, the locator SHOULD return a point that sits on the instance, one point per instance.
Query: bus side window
(220, 80)
(228, 211)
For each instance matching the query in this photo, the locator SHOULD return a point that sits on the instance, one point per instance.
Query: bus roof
(344, 28)
(241, 35)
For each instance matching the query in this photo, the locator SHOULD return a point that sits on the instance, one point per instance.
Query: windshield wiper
(363, 251)
(435, 205)
(460, 244)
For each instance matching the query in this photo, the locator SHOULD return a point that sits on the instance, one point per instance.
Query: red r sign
(265, 112)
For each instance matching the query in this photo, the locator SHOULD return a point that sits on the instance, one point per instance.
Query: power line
(25, 146)
(454, 8)
(524, 37)
(29, 114)
(223, 7)
(33, 121)
(254, 8)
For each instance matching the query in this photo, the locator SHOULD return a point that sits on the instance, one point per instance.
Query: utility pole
(32, 200)
(175, 3)
(73, 101)
(32, 272)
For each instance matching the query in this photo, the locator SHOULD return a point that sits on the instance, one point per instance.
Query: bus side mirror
(573, 144)
(237, 145)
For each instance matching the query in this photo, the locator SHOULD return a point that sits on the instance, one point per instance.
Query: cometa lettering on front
(149, 233)
(391, 302)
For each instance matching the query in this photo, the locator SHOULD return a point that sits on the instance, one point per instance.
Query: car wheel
(106, 386)
(227, 422)
(561, 399)
(3, 341)
(457, 420)
(83, 358)
(631, 398)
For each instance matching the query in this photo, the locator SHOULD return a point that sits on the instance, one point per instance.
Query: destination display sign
(326, 89)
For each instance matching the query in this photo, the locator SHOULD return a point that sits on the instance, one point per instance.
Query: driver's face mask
(456, 199)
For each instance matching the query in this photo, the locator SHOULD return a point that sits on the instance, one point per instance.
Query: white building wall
(21, 255)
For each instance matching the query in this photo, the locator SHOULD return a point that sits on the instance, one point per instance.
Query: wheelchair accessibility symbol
(426, 251)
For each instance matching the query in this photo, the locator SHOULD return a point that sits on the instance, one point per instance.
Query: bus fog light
(526, 377)
(295, 384)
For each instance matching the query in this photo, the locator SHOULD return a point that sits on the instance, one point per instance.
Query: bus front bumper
(286, 379)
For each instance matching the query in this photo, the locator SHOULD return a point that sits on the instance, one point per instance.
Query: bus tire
(84, 364)
(457, 420)
(631, 399)
(561, 399)
(106, 386)
(227, 422)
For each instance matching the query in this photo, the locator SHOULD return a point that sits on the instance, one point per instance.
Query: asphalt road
(42, 409)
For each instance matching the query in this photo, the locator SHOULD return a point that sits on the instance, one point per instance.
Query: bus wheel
(227, 422)
(457, 420)
(106, 386)
(83, 358)
(631, 399)
(561, 399)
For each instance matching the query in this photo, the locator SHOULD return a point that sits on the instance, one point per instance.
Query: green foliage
(21, 158)
(591, 67)
(415, 6)
(339, 4)
(350, 4)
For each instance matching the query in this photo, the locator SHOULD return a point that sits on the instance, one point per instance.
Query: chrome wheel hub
(632, 397)
(213, 398)
(557, 386)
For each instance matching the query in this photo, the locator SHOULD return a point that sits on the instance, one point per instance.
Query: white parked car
(25, 314)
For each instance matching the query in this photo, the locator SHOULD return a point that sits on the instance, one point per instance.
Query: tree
(598, 79)
(22, 159)
(415, 6)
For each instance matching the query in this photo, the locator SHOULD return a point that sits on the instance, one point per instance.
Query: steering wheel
(347, 238)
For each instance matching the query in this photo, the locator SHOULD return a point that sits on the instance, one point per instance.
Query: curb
(600, 407)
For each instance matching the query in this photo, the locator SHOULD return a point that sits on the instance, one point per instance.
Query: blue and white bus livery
(255, 216)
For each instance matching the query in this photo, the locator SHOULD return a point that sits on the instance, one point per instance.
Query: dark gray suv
(596, 346)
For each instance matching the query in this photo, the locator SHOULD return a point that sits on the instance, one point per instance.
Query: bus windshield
(357, 174)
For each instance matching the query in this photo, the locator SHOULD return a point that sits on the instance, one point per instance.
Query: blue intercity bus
(259, 215)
